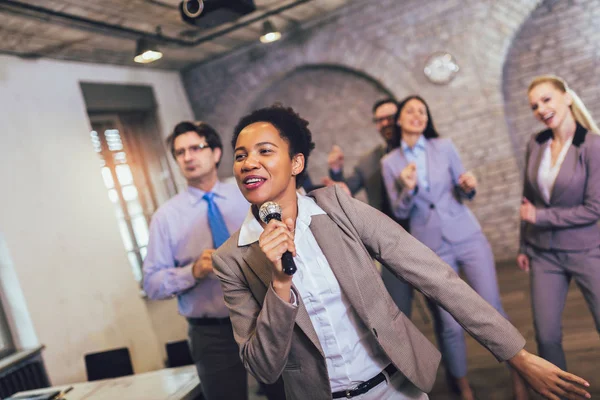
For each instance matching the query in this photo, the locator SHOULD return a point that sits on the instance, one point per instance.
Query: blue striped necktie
(215, 219)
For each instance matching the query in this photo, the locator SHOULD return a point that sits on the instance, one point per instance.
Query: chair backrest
(108, 364)
(178, 354)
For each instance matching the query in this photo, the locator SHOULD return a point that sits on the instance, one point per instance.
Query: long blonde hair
(580, 112)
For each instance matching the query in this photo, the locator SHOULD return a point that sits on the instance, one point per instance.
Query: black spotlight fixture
(208, 14)
(269, 33)
(146, 52)
(192, 8)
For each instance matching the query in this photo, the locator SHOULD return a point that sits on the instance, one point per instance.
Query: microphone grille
(268, 208)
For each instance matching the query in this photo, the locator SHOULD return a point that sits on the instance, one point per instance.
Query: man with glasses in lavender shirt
(184, 233)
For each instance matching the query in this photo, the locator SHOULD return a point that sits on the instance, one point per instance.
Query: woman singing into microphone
(331, 329)
(560, 237)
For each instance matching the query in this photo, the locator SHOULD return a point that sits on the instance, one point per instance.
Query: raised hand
(467, 182)
(276, 239)
(335, 159)
(203, 264)
(408, 176)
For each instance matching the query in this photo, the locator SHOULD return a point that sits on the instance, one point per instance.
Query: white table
(166, 384)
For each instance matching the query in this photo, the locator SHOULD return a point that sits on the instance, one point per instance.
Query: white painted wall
(59, 225)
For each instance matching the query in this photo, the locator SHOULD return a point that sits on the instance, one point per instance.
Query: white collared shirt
(351, 352)
(547, 173)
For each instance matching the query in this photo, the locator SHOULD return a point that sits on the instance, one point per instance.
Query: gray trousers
(551, 273)
(216, 354)
(475, 259)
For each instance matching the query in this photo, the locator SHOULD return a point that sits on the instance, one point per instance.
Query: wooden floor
(490, 379)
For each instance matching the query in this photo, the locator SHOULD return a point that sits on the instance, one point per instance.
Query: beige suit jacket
(277, 338)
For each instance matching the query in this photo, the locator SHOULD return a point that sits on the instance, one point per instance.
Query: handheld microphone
(271, 210)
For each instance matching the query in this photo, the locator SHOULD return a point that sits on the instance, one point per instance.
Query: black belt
(367, 385)
(209, 321)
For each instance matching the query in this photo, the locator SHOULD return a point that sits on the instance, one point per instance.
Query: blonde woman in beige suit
(332, 330)
(560, 236)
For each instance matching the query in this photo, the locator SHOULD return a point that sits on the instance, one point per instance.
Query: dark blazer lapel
(569, 165)
(259, 264)
(328, 236)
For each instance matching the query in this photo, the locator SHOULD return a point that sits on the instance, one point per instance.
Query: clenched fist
(408, 176)
(203, 265)
(467, 182)
(276, 239)
(335, 159)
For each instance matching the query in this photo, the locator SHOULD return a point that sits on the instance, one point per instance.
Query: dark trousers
(275, 391)
(216, 355)
(221, 372)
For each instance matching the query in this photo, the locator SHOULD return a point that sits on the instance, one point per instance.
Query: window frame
(137, 162)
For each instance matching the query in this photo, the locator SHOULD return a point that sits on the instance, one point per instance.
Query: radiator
(24, 374)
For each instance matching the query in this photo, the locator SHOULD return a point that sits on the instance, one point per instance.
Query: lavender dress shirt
(179, 233)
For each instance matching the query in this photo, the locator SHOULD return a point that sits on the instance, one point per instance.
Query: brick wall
(387, 41)
(349, 97)
(561, 38)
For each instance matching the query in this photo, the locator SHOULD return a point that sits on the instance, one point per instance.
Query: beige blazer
(277, 338)
(569, 220)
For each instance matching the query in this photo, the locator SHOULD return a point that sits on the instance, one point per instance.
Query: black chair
(178, 354)
(108, 364)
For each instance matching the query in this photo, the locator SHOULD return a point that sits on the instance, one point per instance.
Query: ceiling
(105, 31)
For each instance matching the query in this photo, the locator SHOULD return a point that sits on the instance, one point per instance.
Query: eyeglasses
(192, 149)
(388, 118)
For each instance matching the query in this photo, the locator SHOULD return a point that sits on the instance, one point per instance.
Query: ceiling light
(269, 33)
(146, 52)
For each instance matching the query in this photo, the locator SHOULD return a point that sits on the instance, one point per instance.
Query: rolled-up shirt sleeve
(162, 278)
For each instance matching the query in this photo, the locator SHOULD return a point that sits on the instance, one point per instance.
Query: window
(7, 345)
(9, 281)
(129, 154)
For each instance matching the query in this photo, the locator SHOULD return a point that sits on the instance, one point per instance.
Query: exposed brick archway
(336, 101)
(389, 42)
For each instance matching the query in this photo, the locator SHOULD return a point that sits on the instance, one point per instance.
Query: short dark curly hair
(291, 126)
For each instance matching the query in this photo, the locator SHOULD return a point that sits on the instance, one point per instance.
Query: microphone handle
(288, 264)
(287, 260)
